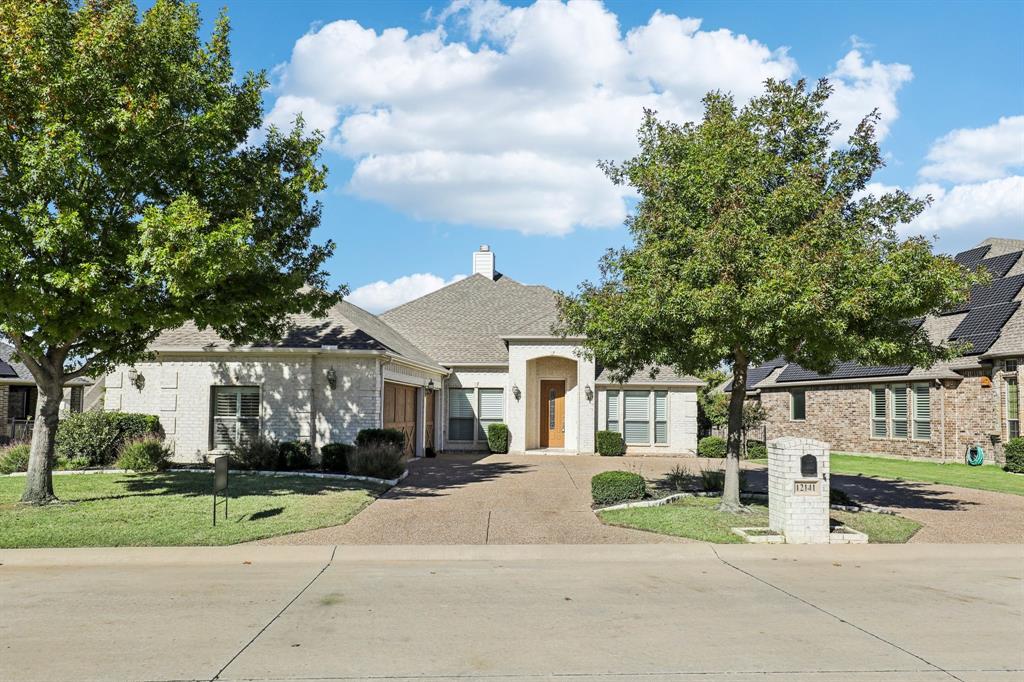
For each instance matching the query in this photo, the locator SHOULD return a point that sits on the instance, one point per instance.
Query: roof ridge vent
(483, 262)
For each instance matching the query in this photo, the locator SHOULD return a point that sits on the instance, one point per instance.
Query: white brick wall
(682, 420)
(296, 402)
(475, 377)
(803, 519)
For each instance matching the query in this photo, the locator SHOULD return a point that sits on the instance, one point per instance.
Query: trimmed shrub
(334, 457)
(610, 487)
(711, 446)
(294, 455)
(756, 450)
(839, 496)
(14, 458)
(370, 437)
(379, 461)
(98, 436)
(259, 454)
(143, 454)
(610, 444)
(713, 480)
(497, 438)
(73, 464)
(1015, 455)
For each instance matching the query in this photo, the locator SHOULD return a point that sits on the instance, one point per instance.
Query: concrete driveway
(545, 499)
(868, 613)
(496, 500)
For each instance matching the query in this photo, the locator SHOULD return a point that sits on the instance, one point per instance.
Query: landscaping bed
(698, 518)
(175, 508)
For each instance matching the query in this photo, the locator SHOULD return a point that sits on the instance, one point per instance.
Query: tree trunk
(39, 481)
(731, 486)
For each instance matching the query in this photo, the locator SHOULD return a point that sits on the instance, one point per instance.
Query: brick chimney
(483, 262)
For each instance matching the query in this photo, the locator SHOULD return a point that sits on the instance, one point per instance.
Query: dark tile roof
(843, 370)
(346, 326)
(1000, 290)
(982, 326)
(971, 257)
(756, 375)
(998, 266)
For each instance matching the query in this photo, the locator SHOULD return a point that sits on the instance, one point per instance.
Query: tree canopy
(755, 237)
(138, 191)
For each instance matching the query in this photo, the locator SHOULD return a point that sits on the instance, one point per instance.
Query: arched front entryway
(552, 404)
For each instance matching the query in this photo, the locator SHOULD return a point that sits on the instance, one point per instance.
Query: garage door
(400, 412)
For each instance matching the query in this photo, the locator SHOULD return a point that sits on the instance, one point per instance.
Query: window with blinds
(900, 412)
(236, 415)
(922, 412)
(879, 412)
(661, 417)
(491, 408)
(461, 417)
(637, 417)
(613, 412)
(77, 398)
(1012, 408)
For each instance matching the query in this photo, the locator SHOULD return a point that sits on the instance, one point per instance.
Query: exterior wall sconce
(136, 379)
(516, 392)
(430, 386)
(589, 392)
(332, 378)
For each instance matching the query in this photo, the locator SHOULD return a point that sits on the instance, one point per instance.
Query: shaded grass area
(982, 478)
(699, 519)
(174, 508)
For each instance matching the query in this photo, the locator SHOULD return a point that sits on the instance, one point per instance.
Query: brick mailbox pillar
(798, 473)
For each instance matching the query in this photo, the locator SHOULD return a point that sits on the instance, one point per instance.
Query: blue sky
(481, 123)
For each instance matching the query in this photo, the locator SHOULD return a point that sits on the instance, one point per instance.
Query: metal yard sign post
(220, 485)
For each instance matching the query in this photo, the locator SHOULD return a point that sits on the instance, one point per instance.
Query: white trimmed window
(1012, 408)
(461, 417)
(614, 409)
(236, 416)
(491, 408)
(901, 411)
(640, 416)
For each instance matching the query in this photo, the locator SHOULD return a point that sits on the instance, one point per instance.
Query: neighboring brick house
(441, 368)
(18, 397)
(934, 413)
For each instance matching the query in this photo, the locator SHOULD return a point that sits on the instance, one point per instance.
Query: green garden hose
(975, 455)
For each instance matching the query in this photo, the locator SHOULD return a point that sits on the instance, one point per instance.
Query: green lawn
(984, 477)
(174, 508)
(698, 518)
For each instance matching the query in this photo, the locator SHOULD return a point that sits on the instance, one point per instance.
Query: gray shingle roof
(13, 371)
(465, 322)
(346, 326)
(665, 375)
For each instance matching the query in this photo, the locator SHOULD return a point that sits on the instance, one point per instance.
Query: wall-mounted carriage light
(136, 379)
(589, 392)
(516, 392)
(332, 378)
(430, 386)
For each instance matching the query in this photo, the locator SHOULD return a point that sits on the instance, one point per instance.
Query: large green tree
(754, 238)
(136, 193)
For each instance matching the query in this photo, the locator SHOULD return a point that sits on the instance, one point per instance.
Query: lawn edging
(306, 474)
(756, 496)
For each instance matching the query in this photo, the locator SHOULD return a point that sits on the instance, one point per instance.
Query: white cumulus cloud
(504, 129)
(380, 296)
(977, 154)
(987, 208)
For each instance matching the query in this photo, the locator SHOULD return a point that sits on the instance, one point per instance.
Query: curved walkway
(545, 499)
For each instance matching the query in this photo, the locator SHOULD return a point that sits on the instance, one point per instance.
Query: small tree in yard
(753, 238)
(132, 198)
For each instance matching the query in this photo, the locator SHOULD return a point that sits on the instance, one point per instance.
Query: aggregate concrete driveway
(545, 499)
(738, 613)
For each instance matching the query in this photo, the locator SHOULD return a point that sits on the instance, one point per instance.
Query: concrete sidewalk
(676, 612)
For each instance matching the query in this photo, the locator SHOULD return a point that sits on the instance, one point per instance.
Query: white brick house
(441, 368)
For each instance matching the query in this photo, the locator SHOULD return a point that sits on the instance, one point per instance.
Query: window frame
(472, 407)
(652, 415)
(914, 417)
(911, 419)
(1007, 382)
(792, 404)
(481, 432)
(474, 404)
(238, 390)
(608, 411)
(873, 417)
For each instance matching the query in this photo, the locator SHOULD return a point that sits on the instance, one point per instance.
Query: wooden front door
(400, 413)
(552, 413)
